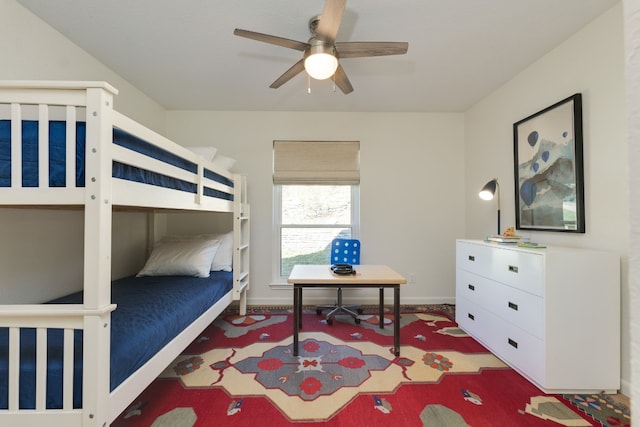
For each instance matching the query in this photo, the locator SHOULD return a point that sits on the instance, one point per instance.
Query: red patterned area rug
(241, 372)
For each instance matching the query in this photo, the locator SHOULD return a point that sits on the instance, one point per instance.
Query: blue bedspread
(151, 311)
(57, 160)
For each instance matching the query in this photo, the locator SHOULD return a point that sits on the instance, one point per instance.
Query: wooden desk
(367, 276)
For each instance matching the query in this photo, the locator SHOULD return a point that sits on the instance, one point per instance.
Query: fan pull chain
(308, 83)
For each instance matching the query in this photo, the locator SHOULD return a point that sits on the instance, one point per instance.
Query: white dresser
(553, 314)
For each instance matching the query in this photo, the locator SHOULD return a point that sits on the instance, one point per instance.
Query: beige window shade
(316, 162)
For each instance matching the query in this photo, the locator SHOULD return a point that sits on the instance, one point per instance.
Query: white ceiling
(183, 53)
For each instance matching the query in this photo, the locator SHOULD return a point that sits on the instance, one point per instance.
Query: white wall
(44, 246)
(412, 178)
(632, 38)
(590, 62)
(33, 50)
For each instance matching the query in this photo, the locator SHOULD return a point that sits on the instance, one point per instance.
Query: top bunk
(62, 144)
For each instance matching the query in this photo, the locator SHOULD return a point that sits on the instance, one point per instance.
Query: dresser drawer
(522, 270)
(470, 317)
(522, 309)
(514, 346)
(517, 268)
(517, 348)
(476, 289)
(474, 258)
(513, 305)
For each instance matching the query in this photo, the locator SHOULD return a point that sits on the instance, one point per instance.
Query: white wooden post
(97, 255)
(16, 145)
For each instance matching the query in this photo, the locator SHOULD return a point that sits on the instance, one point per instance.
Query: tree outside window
(310, 217)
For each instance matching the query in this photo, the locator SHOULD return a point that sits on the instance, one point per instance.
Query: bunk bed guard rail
(39, 120)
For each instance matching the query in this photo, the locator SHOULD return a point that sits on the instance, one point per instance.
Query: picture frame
(549, 169)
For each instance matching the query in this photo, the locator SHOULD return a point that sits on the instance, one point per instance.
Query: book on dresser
(553, 314)
(504, 239)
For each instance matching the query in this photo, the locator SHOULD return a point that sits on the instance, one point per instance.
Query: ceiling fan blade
(266, 38)
(295, 69)
(342, 81)
(363, 49)
(330, 20)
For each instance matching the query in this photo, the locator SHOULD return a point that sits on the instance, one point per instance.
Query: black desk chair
(343, 251)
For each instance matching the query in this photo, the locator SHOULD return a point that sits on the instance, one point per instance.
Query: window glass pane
(308, 246)
(316, 204)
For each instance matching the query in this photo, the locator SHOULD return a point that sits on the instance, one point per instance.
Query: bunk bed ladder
(241, 242)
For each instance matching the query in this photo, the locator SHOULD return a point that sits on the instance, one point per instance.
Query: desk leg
(300, 307)
(381, 308)
(296, 317)
(396, 320)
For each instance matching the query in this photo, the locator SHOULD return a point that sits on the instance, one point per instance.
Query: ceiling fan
(322, 54)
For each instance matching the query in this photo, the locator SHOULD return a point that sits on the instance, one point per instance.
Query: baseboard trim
(311, 300)
(625, 387)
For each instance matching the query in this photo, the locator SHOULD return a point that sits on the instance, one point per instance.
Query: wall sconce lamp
(490, 189)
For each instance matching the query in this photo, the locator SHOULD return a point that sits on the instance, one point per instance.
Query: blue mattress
(151, 312)
(57, 160)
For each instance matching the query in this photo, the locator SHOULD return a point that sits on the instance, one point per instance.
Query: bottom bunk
(150, 312)
(156, 317)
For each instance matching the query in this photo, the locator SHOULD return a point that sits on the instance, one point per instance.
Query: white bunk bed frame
(98, 198)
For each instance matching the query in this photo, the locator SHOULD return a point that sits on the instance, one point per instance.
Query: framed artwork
(549, 175)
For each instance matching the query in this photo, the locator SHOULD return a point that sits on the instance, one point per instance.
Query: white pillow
(223, 260)
(181, 258)
(224, 162)
(208, 153)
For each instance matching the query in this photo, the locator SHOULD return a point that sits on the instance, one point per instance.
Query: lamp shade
(320, 61)
(321, 66)
(489, 190)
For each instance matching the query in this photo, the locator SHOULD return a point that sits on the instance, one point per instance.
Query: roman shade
(316, 162)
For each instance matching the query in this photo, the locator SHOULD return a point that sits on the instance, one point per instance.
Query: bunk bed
(63, 146)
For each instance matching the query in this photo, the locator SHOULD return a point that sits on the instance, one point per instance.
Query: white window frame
(278, 280)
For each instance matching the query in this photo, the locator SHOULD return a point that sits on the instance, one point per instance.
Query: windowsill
(283, 286)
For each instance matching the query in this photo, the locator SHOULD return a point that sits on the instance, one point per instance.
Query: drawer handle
(513, 306)
(513, 268)
(513, 343)
(471, 316)
(472, 258)
(471, 287)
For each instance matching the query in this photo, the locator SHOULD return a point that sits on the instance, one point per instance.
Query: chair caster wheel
(357, 320)
(329, 321)
(318, 311)
(360, 311)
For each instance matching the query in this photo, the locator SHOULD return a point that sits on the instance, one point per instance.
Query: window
(308, 218)
(316, 199)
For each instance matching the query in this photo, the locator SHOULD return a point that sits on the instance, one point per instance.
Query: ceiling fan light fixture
(320, 61)
(321, 52)
(321, 66)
